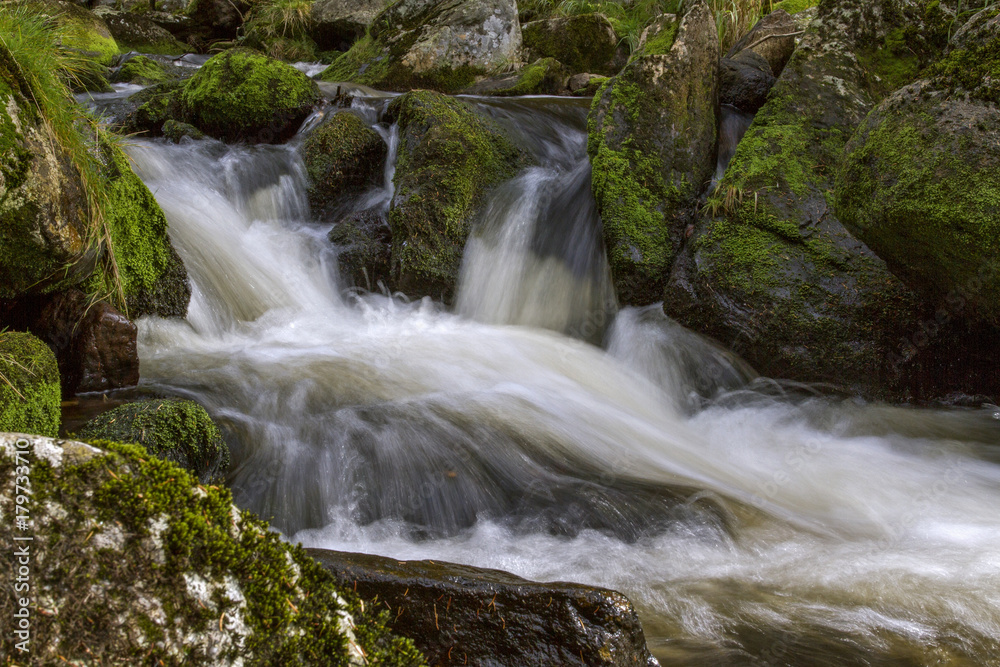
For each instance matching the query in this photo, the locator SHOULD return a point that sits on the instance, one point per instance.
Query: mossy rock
(172, 429)
(921, 185)
(143, 565)
(545, 76)
(240, 95)
(794, 6)
(583, 43)
(29, 394)
(343, 157)
(151, 108)
(433, 44)
(449, 156)
(645, 176)
(152, 274)
(78, 28)
(133, 32)
(175, 131)
(142, 71)
(44, 216)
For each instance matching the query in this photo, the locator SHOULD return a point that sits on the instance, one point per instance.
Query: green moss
(240, 94)
(152, 276)
(142, 71)
(78, 28)
(172, 429)
(583, 43)
(154, 107)
(974, 70)
(175, 131)
(794, 6)
(662, 41)
(449, 156)
(29, 386)
(263, 601)
(343, 157)
(542, 77)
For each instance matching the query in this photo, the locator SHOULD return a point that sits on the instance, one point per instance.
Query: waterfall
(746, 519)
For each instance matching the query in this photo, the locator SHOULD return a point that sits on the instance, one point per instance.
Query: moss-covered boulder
(142, 71)
(172, 429)
(151, 274)
(44, 214)
(29, 393)
(921, 186)
(435, 44)
(147, 111)
(652, 135)
(771, 271)
(78, 28)
(343, 157)
(175, 131)
(240, 95)
(364, 250)
(133, 561)
(448, 157)
(583, 43)
(134, 32)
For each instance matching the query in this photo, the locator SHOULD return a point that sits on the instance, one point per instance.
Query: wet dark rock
(343, 157)
(773, 38)
(176, 131)
(458, 615)
(364, 249)
(94, 344)
(336, 24)
(215, 20)
(744, 81)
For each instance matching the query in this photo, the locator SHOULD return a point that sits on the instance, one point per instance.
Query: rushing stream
(750, 521)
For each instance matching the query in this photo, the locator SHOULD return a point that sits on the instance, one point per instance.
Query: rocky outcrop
(461, 615)
(583, 43)
(44, 214)
(772, 272)
(336, 24)
(652, 148)
(171, 429)
(441, 45)
(240, 95)
(29, 393)
(343, 157)
(132, 560)
(448, 157)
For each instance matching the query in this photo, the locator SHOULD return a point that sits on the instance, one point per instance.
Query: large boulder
(773, 39)
(583, 43)
(771, 271)
(336, 24)
(652, 147)
(44, 213)
(344, 156)
(139, 259)
(457, 615)
(448, 157)
(921, 183)
(134, 32)
(436, 44)
(29, 394)
(133, 561)
(240, 95)
(172, 429)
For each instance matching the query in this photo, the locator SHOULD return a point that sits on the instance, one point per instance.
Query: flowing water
(750, 521)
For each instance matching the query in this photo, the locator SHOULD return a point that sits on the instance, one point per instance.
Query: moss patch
(343, 157)
(142, 71)
(794, 6)
(449, 156)
(136, 563)
(152, 275)
(29, 386)
(545, 76)
(583, 43)
(172, 429)
(974, 71)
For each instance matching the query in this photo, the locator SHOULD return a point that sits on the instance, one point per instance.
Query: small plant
(735, 18)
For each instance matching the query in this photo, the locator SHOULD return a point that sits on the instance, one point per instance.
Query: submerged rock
(240, 95)
(457, 615)
(133, 560)
(583, 43)
(343, 157)
(172, 429)
(29, 394)
(436, 44)
(364, 250)
(448, 157)
(652, 147)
